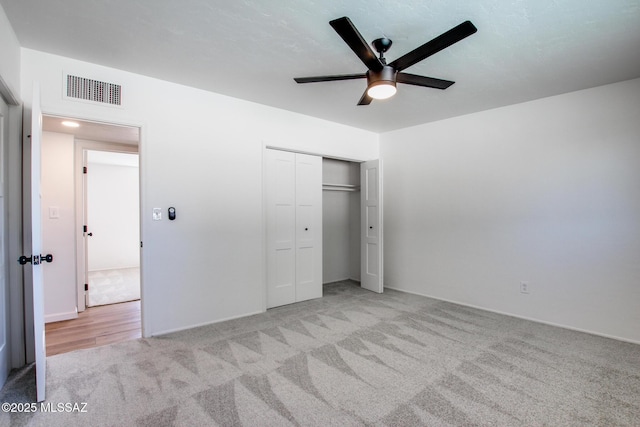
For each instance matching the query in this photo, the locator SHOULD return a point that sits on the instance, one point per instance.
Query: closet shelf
(340, 187)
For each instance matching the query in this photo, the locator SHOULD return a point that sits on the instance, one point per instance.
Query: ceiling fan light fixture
(381, 84)
(381, 90)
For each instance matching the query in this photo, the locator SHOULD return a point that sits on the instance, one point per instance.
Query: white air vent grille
(94, 90)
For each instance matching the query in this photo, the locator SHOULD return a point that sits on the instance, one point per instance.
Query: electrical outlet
(525, 288)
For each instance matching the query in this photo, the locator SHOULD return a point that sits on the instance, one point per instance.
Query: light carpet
(352, 358)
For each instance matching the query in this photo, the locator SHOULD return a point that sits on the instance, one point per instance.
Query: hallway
(94, 327)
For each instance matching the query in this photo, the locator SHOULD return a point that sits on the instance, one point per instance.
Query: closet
(340, 220)
(323, 224)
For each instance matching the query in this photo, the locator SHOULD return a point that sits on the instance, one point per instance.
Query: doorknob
(23, 260)
(90, 234)
(46, 258)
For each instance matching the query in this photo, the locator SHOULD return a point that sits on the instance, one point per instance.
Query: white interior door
(308, 227)
(280, 194)
(371, 223)
(35, 242)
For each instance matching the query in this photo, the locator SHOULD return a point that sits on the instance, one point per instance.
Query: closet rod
(330, 187)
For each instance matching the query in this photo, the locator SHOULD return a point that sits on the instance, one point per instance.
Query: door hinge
(84, 169)
(86, 287)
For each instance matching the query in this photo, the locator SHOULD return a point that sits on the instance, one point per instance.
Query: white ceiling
(93, 131)
(252, 49)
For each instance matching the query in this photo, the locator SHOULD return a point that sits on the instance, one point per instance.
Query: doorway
(341, 212)
(112, 222)
(67, 144)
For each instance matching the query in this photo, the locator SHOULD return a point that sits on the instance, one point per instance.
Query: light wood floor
(94, 327)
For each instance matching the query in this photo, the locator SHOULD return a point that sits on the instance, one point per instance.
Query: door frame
(13, 165)
(275, 146)
(5, 284)
(78, 164)
(26, 309)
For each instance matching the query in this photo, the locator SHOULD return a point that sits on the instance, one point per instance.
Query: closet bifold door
(281, 224)
(293, 226)
(371, 271)
(308, 227)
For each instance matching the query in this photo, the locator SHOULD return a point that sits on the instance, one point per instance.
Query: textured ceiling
(252, 49)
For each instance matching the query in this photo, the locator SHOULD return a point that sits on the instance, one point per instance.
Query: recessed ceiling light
(70, 124)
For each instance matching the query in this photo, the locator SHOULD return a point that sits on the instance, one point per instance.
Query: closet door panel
(280, 225)
(306, 233)
(308, 227)
(284, 218)
(372, 232)
(306, 286)
(372, 221)
(372, 267)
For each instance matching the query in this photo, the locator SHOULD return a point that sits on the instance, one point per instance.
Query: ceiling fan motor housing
(385, 76)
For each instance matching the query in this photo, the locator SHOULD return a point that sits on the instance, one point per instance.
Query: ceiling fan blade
(441, 42)
(412, 79)
(365, 100)
(345, 29)
(329, 78)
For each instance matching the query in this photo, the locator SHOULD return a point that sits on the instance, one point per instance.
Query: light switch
(157, 214)
(54, 212)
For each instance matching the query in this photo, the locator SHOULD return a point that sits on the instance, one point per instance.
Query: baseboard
(341, 280)
(113, 268)
(170, 331)
(59, 317)
(544, 322)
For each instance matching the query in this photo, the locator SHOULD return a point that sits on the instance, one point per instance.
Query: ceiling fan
(382, 77)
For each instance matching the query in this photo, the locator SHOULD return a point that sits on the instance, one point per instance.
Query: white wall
(355, 233)
(113, 214)
(202, 153)
(10, 55)
(546, 191)
(335, 236)
(58, 234)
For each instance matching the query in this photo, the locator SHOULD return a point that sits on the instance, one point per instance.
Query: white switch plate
(54, 212)
(525, 287)
(157, 214)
